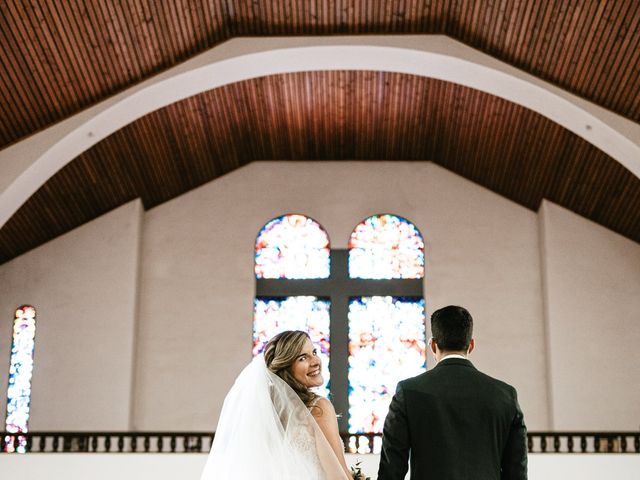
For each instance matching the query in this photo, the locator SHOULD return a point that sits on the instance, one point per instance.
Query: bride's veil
(266, 432)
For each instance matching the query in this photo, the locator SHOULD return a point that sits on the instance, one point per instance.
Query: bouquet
(356, 472)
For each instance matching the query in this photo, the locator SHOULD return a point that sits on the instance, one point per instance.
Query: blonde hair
(280, 354)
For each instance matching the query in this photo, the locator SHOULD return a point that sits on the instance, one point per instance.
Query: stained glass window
(384, 247)
(386, 344)
(292, 246)
(20, 370)
(386, 338)
(306, 313)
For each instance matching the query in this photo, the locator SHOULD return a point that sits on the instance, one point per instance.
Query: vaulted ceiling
(58, 58)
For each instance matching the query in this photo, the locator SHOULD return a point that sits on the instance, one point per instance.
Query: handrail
(575, 442)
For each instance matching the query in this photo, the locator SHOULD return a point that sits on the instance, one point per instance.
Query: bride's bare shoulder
(322, 408)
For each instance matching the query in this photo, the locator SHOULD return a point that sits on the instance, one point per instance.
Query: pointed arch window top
(292, 246)
(384, 247)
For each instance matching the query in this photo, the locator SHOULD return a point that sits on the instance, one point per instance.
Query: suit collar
(445, 362)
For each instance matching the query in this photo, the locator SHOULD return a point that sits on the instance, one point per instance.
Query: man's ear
(472, 345)
(432, 345)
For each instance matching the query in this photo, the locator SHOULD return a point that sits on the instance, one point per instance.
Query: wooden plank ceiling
(58, 58)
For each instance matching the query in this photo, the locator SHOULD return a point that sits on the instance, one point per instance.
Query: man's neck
(444, 355)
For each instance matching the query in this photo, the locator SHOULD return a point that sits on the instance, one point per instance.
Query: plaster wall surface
(168, 294)
(197, 284)
(189, 466)
(592, 279)
(84, 287)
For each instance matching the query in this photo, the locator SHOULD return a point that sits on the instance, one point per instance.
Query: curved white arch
(27, 165)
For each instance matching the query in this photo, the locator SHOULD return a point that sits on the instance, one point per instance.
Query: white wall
(593, 312)
(188, 466)
(555, 298)
(83, 286)
(198, 286)
(483, 253)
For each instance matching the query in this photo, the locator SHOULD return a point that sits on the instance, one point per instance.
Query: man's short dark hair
(452, 328)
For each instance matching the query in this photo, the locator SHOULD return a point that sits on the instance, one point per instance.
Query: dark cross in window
(339, 289)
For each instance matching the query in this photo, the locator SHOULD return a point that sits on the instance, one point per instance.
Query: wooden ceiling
(58, 58)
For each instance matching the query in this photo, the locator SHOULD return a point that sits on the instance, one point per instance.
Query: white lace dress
(303, 445)
(266, 432)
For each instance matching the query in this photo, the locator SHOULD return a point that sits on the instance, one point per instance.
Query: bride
(272, 426)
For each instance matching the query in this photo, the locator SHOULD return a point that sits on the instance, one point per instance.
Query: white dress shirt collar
(453, 355)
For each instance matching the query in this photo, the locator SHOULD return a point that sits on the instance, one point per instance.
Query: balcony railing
(199, 442)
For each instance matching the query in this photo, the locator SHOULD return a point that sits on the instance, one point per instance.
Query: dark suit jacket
(454, 423)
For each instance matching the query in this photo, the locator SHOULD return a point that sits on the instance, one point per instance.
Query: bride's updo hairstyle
(280, 354)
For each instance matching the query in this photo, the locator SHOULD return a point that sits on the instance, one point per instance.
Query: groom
(454, 422)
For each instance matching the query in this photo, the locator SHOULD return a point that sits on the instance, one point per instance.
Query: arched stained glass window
(292, 246)
(368, 312)
(387, 335)
(385, 247)
(20, 370)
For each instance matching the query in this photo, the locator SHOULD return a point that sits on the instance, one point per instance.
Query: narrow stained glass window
(306, 313)
(20, 370)
(385, 247)
(292, 246)
(386, 345)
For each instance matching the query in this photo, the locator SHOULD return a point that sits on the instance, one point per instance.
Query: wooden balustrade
(200, 442)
